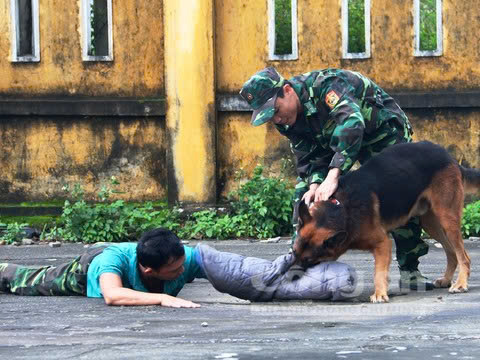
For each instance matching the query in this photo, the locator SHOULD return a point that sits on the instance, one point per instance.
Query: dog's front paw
(379, 297)
(442, 283)
(458, 287)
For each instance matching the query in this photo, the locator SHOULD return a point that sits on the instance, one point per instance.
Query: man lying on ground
(151, 272)
(154, 271)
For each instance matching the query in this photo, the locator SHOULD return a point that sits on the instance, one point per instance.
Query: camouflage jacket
(343, 111)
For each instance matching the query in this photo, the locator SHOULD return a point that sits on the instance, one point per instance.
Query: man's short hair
(158, 247)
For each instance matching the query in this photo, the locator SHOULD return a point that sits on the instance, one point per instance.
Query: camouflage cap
(261, 91)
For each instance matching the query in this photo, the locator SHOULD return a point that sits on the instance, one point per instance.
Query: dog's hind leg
(448, 211)
(431, 225)
(452, 229)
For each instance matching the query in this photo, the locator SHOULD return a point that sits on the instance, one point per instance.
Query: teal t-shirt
(121, 259)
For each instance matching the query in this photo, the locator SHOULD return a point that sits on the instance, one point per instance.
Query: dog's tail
(471, 180)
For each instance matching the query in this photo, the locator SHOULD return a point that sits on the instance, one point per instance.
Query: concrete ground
(418, 325)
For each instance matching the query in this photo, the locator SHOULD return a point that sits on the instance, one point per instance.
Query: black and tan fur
(405, 180)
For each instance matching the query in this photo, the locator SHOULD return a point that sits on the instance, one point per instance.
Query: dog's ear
(303, 214)
(336, 240)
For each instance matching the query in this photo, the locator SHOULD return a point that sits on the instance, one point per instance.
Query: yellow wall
(456, 130)
(190, 66)
(137, 69)
(242, 48)
(39, 156)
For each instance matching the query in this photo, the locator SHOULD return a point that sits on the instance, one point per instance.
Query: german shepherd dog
(404, 180)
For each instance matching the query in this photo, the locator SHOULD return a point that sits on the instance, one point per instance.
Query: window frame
(367, 53)
(271, 33)
(416, 24)
(35, 57)
(86, 30)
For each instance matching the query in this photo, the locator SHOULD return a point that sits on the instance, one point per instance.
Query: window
(428, 27)
(356, 29)
(282, 29)
(25, 31)
(97, 30)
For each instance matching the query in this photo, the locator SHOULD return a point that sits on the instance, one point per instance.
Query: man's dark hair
(157, 247)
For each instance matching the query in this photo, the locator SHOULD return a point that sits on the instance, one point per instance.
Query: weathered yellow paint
(242, 48)
(190, 89)
(460, 137)
(137, 69)
(242, 146)
(40, 156)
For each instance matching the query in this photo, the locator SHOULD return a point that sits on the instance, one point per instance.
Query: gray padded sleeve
(257, 279)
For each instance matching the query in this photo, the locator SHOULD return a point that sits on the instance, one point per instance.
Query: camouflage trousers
(409, 245)
(68, 279)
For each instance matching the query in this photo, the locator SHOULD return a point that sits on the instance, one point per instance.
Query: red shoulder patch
(332, 99)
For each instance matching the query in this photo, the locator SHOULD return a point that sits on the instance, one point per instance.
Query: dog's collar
(334, 201)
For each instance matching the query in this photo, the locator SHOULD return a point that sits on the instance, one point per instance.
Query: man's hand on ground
(171, 301)
(115, 294)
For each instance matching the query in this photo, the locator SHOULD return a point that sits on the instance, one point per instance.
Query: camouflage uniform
(346, 117)
(67, 279)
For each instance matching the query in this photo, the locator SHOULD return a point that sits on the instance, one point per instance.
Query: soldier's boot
(414, 280)
(410, 277)
(410, 247)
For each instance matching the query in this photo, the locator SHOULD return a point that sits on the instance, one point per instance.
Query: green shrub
(264, 205)
(261, 208)
(206, 224)
(13, 233)
(471, 220)
(104, 221)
